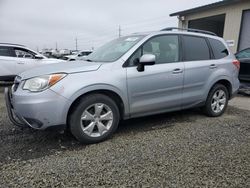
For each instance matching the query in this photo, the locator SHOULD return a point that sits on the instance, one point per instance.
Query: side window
(23, 53)
(219, 49)
(165, 48)
(134, 59)
(6, 51)
(244, 53)
(195, 48)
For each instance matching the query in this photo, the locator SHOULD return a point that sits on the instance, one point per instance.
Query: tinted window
(195, 48)
(165, 48)
(134, 59)
(6, 51)
(219, 49)
(244, 53)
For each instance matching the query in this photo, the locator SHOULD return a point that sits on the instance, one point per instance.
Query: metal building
(229, 19)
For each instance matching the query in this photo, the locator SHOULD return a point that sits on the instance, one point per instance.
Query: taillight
(236, 64)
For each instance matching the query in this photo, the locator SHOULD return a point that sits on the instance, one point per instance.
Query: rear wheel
(94, 119)
(217, 101)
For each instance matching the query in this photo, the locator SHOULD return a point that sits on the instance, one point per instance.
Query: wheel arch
(224, 81)
(118, 99)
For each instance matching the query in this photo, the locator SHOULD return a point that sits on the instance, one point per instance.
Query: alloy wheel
(96, 119)
(218, 101)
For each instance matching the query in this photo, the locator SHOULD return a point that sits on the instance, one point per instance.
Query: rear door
(198, 68)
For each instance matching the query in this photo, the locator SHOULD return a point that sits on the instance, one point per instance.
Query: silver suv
(132, 76)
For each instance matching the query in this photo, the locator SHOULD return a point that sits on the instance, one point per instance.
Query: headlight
(42, 83)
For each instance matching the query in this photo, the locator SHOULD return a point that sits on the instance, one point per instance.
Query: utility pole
(76, 44)
(120, 31)
(56, 46)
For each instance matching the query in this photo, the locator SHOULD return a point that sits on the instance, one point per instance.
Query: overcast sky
(43, 23)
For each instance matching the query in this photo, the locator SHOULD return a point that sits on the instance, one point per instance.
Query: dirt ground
(180, 149)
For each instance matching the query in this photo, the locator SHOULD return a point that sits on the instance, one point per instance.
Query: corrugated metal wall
(245, 31)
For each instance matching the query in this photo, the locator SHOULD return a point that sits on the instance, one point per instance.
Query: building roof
(206, 7)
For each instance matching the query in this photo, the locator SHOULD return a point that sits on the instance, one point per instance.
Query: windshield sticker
(131, 39)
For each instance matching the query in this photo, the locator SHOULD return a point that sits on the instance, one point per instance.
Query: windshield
(113, 50)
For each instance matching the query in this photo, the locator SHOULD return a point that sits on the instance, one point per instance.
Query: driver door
(159, 87)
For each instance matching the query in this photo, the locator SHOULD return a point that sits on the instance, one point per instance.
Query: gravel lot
(184, 149)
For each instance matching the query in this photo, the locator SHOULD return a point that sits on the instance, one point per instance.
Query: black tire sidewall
(75, 117)
(208, 109)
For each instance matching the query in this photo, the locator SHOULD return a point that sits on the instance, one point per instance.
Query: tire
(215, 104)
(94, 119)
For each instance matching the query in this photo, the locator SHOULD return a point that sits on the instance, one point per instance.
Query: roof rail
(11, 44)
(190, 30)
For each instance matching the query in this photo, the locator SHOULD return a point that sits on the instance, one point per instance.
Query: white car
(79, 56)
(15, 59)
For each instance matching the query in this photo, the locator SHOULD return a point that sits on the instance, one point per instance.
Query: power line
(134, 24)
(139, 26)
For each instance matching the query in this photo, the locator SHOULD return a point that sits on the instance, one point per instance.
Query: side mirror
(145, 60)
(38, 56)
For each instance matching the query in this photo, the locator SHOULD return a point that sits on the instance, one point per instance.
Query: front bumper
(13, 118)
(36, 110)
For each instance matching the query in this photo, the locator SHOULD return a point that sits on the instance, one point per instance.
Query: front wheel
(94, 119)
(217, 101)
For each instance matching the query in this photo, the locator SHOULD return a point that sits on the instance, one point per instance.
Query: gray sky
(42, 23)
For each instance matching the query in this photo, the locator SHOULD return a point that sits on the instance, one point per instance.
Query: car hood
(66, 67)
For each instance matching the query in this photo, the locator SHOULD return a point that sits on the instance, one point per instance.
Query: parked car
(244, 57)
(132, 76)
(15, 59)
(79, 56)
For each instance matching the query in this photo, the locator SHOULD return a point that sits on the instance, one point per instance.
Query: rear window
(195, 48)
(219, 49)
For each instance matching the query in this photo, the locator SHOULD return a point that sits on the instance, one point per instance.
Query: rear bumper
(39, 111)
(235, 88)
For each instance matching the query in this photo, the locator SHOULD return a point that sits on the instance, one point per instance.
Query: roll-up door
(245, 31)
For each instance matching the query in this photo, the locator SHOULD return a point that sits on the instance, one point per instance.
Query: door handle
(177, 71)
(213, 66)
(20, 63)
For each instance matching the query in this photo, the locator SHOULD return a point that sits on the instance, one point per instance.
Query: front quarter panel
(105, 78)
